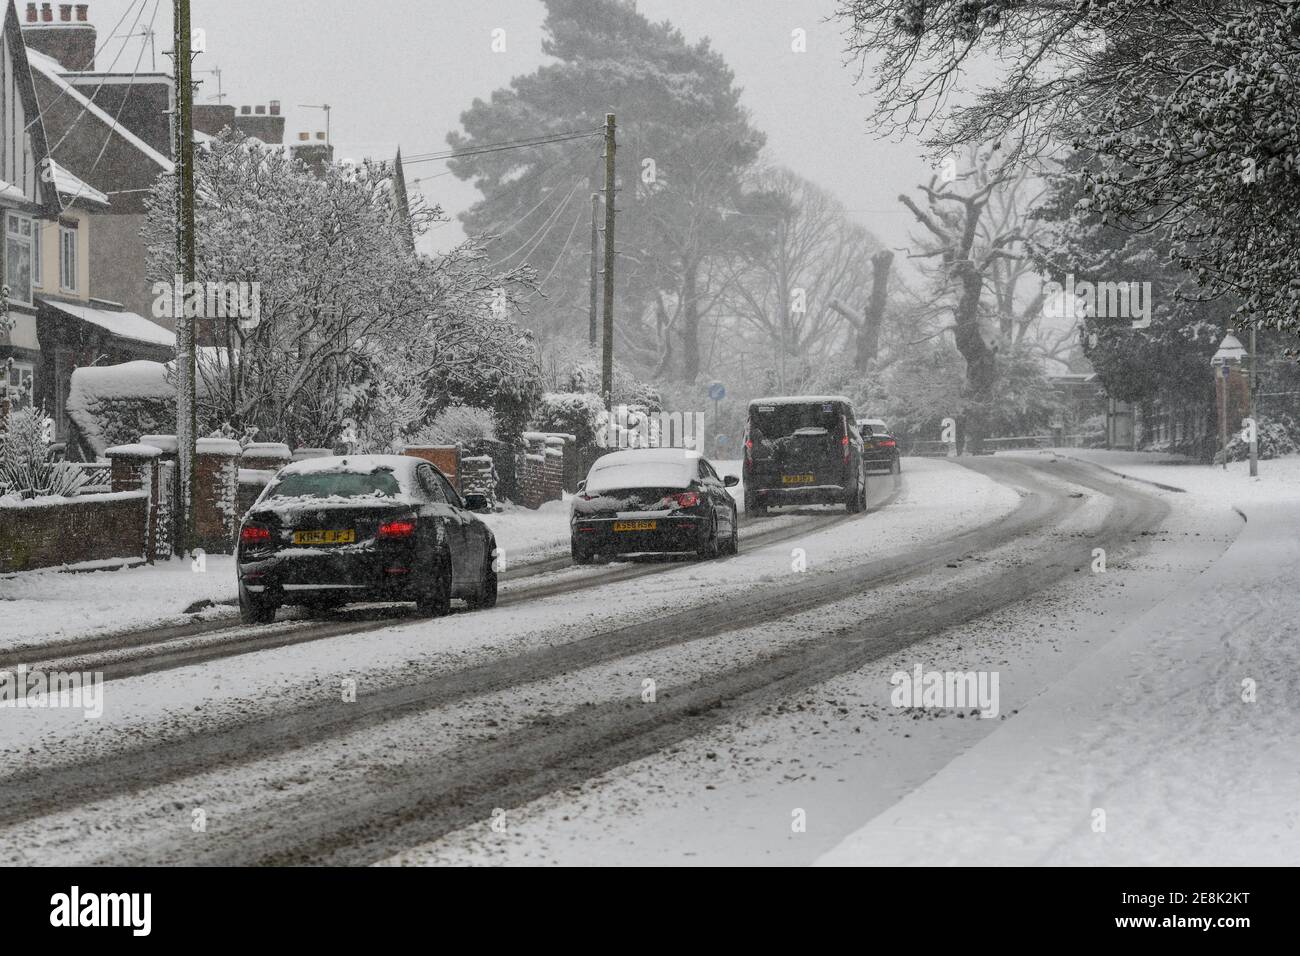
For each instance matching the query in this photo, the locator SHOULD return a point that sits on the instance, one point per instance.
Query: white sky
(400, 72)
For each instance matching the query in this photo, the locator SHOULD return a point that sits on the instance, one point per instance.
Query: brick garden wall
(87, 528)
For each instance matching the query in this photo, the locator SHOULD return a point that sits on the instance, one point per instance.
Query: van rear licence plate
(796, 479)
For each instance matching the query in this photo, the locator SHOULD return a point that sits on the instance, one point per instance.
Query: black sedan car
(879, 446)
(653, 500)
(333, 531)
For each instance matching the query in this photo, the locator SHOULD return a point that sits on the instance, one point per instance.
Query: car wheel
(711, 547)
(487, 589)
(733, 542)
(853, 502)
(898, 467)
(435, 599)
(580, 554)
(255, 608)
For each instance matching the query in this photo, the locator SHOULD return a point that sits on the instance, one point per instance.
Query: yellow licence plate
(634, 525)
(796, 479)
(346, 536)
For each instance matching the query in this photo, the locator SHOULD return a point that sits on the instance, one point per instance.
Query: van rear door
(797, 444)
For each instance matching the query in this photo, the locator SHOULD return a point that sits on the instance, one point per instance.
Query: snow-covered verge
(1174, 744)
(1278, 478)
(527, 535)
(53, 605)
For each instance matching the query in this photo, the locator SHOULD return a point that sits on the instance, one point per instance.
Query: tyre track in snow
(569, 747)
(134, 653)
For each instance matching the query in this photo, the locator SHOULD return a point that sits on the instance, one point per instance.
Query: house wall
(49, 279)
(117, 264)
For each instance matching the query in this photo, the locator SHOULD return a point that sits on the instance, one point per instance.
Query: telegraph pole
(607, 354)
(186, 365)
(594, 315)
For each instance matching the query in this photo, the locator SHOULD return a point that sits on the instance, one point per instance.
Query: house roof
(124, 325)
(69, 185)
(52, 70)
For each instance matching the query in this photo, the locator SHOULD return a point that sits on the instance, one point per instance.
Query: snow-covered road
(589, 678)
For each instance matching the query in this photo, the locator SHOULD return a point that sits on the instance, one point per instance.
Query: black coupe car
(653, 500)
(879, 446)
(333, 531)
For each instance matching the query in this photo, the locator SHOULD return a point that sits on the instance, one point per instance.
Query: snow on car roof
(799, 400)
(353, 464)
(643, 468)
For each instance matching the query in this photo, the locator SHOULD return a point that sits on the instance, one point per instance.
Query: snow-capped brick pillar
(542, 467)
(257, 466)
(136, 468)
(216, 486)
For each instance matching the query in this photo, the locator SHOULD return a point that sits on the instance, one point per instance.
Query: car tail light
(254, 534)
(396, 529)
(888, 443)
(683, 499)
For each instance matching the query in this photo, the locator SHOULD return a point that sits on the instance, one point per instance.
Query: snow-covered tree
(351, 323)
(1187, 110)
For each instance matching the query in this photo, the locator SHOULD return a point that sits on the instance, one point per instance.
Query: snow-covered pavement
(1174, 743)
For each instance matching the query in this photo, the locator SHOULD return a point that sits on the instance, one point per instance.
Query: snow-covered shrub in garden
(27, 469)
(579, 414)
(457, 425)
(116, 404)
(1275, 438)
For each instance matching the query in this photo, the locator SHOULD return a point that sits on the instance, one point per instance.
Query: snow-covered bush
(579, 414)
(1275, 439)
(457, 425)
(27, 469)
(116, 404)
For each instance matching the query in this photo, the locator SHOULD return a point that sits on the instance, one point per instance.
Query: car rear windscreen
(342, 484)
(778, 421)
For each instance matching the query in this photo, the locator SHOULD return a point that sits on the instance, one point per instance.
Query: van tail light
(682, 499)
(888, 443)
(396, 529)
(254, 534)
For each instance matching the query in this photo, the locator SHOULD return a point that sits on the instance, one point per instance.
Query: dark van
(803, 449)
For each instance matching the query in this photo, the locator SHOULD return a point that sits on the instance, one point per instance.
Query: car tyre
(733, 541)
(710, 548)
(435, 599)
(855, 502)
(256, 608)
(486, 596)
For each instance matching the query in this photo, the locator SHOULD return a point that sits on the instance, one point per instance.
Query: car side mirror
(730, 480)
(582, 484)
(474, 501)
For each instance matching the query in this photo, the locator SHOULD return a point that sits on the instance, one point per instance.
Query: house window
(20, 384)
(67, 258)
(18, 257)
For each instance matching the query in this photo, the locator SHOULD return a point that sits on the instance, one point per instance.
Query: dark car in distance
(362, 528)
(653, 500)
(803, 449)
(879, 447)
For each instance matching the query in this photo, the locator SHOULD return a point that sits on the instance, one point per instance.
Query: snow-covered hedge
(572, 413)
(116, 404)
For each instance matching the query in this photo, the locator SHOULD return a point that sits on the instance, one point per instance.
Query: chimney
(304, 137)
(245, 111)
(275, 107)
(71, 41)
(320, 134)
(259, 110)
